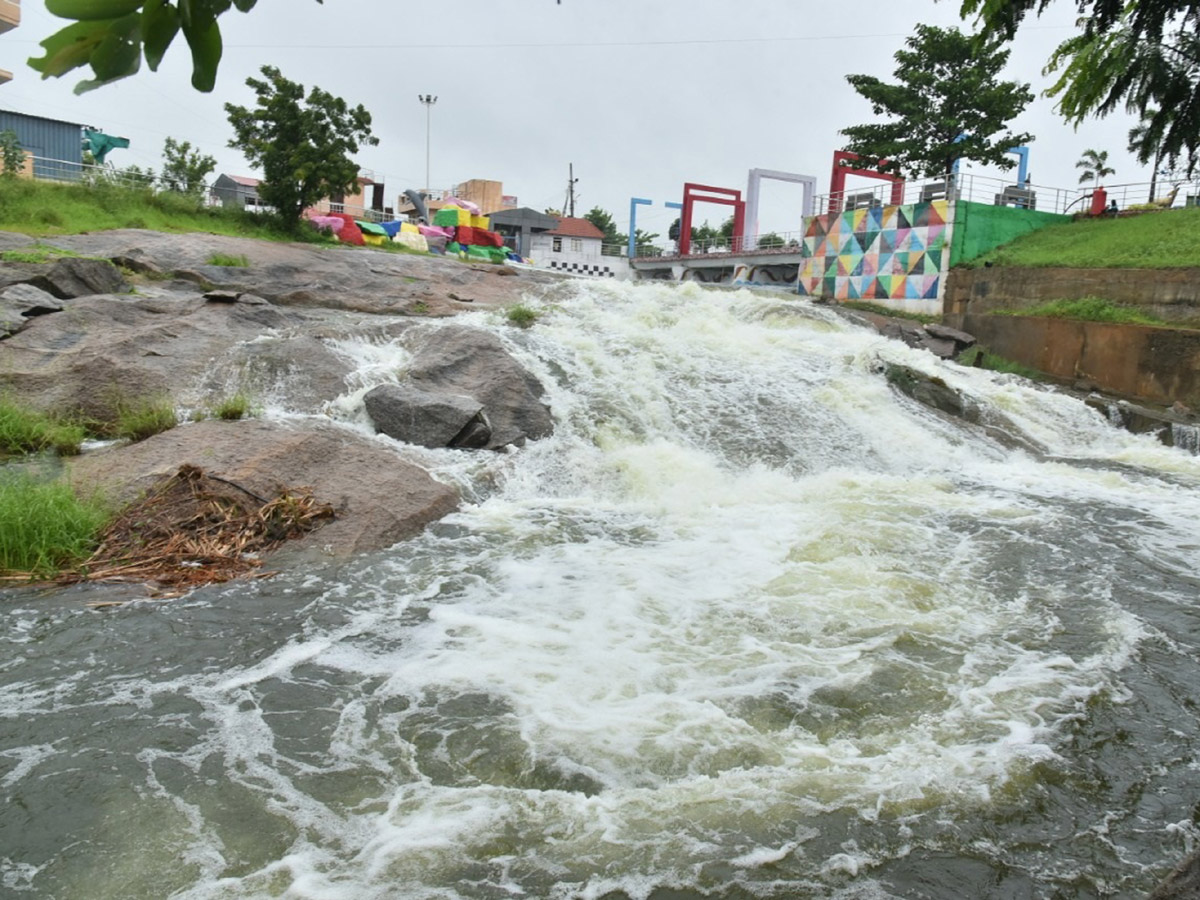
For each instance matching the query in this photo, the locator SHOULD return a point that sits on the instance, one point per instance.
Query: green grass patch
(37, 253)
(44, 526)
(1159, 240)
(1088, 309)
(230, 409)
(982, 358)
(143, 418)
(229, 260)
(522, 315)
(863, 306)
(48, 208)
(24, 430)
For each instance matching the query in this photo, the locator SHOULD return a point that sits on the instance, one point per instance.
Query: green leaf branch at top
(112, 36)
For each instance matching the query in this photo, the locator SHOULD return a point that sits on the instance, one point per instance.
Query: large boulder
(416, 416)
(67, 278)
(20, 302)
(475, 363)
(378, 498)
(110, 348)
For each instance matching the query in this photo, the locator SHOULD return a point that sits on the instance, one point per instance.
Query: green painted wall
(979, 227)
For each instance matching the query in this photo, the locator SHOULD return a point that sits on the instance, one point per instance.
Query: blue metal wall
(47, 139)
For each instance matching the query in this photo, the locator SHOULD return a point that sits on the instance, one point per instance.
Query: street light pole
(428, 100)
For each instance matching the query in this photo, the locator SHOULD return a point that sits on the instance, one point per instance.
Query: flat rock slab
(379, 498)
(358, 279)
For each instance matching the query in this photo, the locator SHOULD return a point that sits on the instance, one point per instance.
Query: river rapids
(750, 624)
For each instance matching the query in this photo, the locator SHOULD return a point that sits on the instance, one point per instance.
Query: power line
(558, 45)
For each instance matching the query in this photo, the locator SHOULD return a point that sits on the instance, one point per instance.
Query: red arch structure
(837, 180)
(698, 193)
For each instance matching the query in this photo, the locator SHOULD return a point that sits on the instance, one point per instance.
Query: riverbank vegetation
(44, 208)
(44, 525)
(1089, 309)
(1154, 240)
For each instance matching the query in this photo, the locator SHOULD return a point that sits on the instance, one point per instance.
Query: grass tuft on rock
(140, 419)
(44, 526)
(521, 315)
(230, 260)
(25, 430)
(230, 409)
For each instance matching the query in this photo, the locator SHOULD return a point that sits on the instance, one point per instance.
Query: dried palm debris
(194, 529)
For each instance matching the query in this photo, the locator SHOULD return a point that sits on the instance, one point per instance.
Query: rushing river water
(750, 624)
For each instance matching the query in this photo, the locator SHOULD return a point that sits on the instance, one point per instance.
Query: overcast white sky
(641, 95)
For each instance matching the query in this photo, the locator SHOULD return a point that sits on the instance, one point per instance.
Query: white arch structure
(754, 185)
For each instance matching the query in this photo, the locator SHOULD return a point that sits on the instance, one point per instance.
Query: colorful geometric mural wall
(878, 253)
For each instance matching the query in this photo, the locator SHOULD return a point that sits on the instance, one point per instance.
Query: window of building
(558, 245)
(576, 245)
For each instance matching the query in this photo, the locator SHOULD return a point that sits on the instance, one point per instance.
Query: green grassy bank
(1154, 240)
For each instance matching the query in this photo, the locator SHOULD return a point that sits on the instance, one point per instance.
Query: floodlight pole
(428, 100)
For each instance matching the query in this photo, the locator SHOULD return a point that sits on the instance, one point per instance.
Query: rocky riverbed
(122, 315)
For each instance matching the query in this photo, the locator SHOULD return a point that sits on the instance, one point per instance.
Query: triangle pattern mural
(879, 253)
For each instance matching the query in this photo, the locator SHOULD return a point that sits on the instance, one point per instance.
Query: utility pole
(571, 180)
(428, 100)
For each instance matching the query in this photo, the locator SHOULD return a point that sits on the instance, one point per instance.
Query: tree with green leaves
(185, 169)
(1140, 55)
(1145, 143)
(1094, 164)
(12, 155)
(948, 103)
(604, 220)
(303, 145)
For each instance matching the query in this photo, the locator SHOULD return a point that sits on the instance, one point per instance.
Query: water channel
(749, 624)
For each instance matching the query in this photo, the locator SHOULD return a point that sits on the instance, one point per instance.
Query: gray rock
(21, 302)
(30, 300)
(474, 362)
(1183, 883)
(946, 333)
(75, 277)
(427, 418)
(940, 348)
(379, 498)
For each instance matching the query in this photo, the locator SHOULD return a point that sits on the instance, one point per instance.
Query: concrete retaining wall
(1158, 365)
(1172, 295)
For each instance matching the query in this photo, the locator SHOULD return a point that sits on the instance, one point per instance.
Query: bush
(24, 430)
(43, 525)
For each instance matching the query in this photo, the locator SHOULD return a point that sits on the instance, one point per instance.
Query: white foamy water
(749, 621)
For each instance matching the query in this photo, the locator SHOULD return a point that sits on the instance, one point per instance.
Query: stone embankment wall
(1155, 365)
(1172, 295)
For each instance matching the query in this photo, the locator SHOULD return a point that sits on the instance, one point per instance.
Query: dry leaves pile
(196, 529)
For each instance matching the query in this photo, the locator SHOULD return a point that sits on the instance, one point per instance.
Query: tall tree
(303, 145)
(1094, 164)
(948, 104)
(1145, 143)
(1137, 54)
(604, 220)
(184, 168)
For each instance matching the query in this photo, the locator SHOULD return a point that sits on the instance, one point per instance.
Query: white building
(574, 246)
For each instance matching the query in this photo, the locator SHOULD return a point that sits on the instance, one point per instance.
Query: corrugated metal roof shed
(47, 139)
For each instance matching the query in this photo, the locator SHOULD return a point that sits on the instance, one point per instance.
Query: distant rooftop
(581, 228)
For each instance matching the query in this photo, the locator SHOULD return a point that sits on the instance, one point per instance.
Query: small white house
(574, 246)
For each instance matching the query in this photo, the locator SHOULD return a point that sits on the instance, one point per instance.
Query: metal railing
(771, 243)
(1000, 192)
